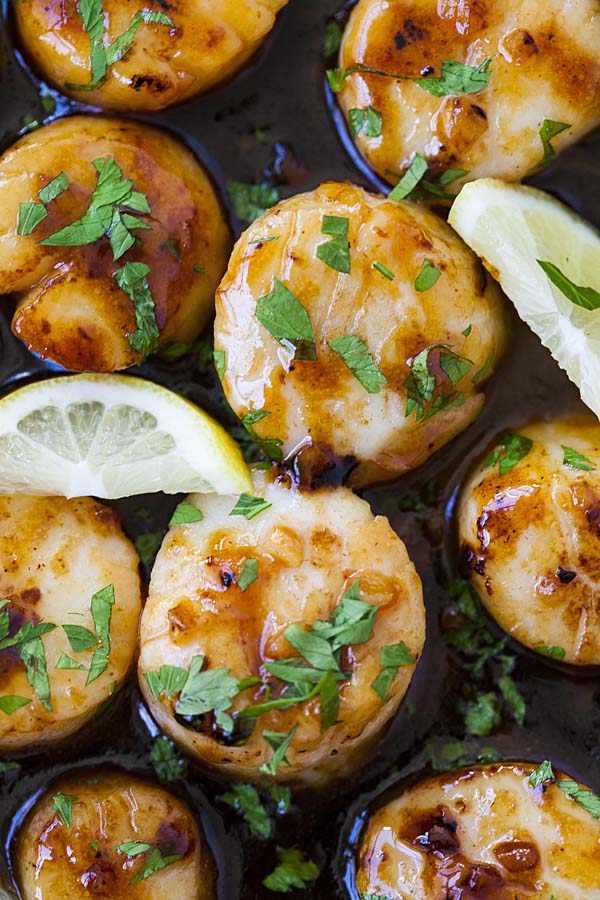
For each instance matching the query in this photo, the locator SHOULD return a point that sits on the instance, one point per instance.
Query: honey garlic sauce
(310, 548)
(481, 834)
(544, 65)
(70, 308)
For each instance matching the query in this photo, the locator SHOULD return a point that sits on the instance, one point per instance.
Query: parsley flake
(185, 514)
(279, 744)
(333, 38)
(548, 131)
(575, 460)
(585, 297)
(167, 764)
(132, 278)
(368, 120)
(336, 252)
(244, 798)
(354, 352)
(410, 179)
(294, 870)
(248, 574)
(428, 276)
(282, 314)
(249, 506)
(455, 78)
(62, 805)
(251, 200)
(514, 448)
(391, 658)
(383, 270)
(30, 216)
(11, 703)
(552, 651)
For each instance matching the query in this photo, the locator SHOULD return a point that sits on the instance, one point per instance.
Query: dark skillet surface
(283, 93)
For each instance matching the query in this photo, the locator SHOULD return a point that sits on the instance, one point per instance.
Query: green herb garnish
(428, 276)
(248, 575)
(548, 131)
(62, 805)
(294, 870)
(368, 119)
(391, 658)
(167, 764)
(354, 352)
(282, 314)
(251, 200)
(249, 507)
(585, 297)
(185, 514)
(513, 448)
(576, 460)
(133, 281)
(336, 252)
(244, 798)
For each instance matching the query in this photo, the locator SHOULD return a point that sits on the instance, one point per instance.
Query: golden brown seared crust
(321, 402)
(55, 861)
(481, 834)
(530, 541)
(70, 308)
(54, 555)
(310, 548)
(210, 42)
(544, 65)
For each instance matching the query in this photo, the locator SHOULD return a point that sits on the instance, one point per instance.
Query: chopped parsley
(250, 201)
(31, 214)
(27, 642)
(185, 514)
(132, 278)
(279, 744)
(167, 764)
(282, 314)
(333, 38)
(414, 186)
(294, 870)
(428, 276)
(62, 805)
(583, 797)
(513, 448)
(91, 13)
(585, 297)
(391, 658)
(245, 799)
(410, 179)
(271, 447)
(155, 862)
(548, 131)
(335, 253)
(248, 574)
(147, 546)
(383, 270)
(249, 506)
(354, 352)
(552, 651)
(12, 703)
(455, 78)
(368, 120)
(102, 607)
(575, 460)
(220, 363)
(422, 385)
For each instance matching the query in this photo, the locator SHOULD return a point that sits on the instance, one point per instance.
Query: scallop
(189, 48)
(528, 521)
(68, 615)
(370, 345)
(71, 307)
(543, 68)
(109, 833)
(309, 593)
(482, 832)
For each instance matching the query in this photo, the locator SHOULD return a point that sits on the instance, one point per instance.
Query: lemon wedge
(547, 260)
(112, 436)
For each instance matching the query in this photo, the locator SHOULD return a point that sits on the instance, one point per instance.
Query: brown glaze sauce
(282, 94)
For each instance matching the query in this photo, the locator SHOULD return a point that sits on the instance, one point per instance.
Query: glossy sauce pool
(282, 93)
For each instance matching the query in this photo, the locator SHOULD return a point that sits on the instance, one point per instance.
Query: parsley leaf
(293, 871)
(133, 280)
(11, 703)
(585, 297)
(280, 744)
(336, 252)
(551, 651)
(410, 179)
(54, 188)
(92, 15)
(282, 314)
(369, 120)
(383, 270)
(427, 277)
(248, 575)
(482, 714)
(457, 78)
(67, 662)
(62, 805)
(270, 446)
(147, 546)
(585, 798)
(390, 660)
(168, 679)
(80, 638)
(251, 200)
(333, 38)
(315, 649)
(249, 506)
(576, 460)
(133, 848)
(244, 798)
(33, 656)
(351, 622)
(421, 384)
(354, 352)
(102, 606)
(167, 764)
(185, 514)
(155, 862)
(282, 796)
(542, 774)
(220, 363)
(30, 216)
(515, 447)
(548, 131)
(205, 691)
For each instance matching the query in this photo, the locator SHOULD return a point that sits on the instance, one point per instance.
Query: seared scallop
(483, 832)
(69, 611)
(285, 616)
(189, 47)
(543, 68)
(109, 833)
(356, 326)
(529, 519)
(89, 306)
